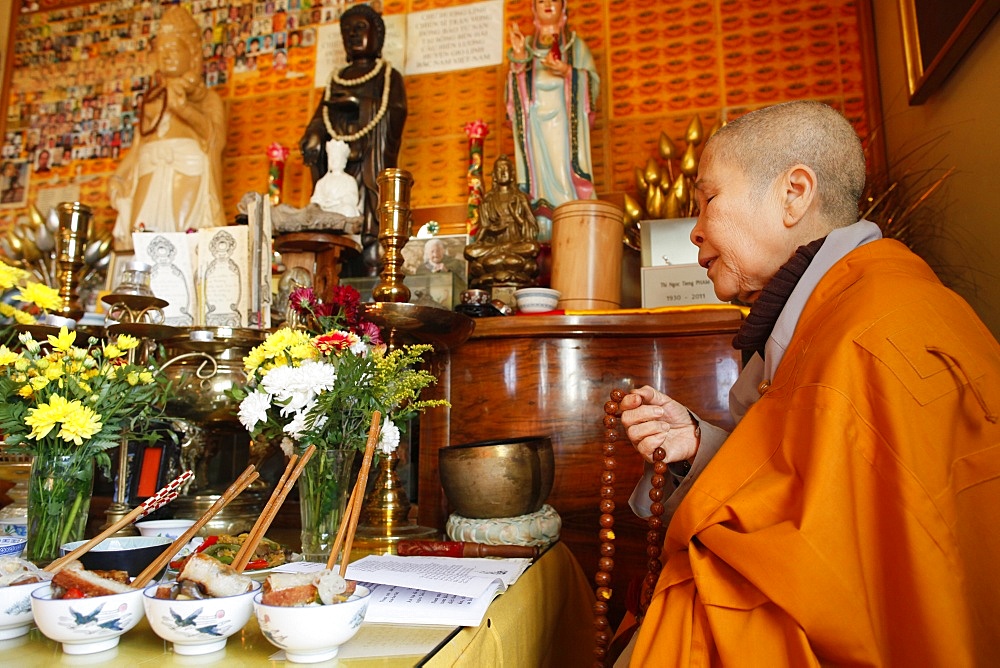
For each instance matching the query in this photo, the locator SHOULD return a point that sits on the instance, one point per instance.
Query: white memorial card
(455, 38)
(173, 257)
(224, 275)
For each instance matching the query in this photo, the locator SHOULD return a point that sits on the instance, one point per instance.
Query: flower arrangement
(276, 155)
(35, 300)
(64, 403)
(319, 384)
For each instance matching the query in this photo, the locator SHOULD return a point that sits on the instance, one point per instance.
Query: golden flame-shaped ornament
(672, 208)
(680, 190)
(633, 211)
(640, 180)
(654, 202)
(652, 173)
(668, 150)
(689, 161)
(695, 133)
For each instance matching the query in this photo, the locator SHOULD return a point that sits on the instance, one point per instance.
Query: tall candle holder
(141, 316)
(385, 514)
(71, 242)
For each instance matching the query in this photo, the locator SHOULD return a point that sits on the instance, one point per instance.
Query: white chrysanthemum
(253, 409)
(360, 348)
(296, 426)
(296, 388)
(287, 446)
(388, 440)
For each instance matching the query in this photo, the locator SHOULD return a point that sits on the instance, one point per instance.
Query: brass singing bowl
(501, 478)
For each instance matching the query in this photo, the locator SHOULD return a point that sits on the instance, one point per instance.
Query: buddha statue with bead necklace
(364, 105)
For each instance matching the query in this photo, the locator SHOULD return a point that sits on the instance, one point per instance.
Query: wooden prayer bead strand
(602, 579)
(655, 535)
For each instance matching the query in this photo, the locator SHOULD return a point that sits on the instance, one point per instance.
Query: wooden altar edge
(625, 323)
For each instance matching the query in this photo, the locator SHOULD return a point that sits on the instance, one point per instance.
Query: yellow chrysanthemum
(24, 318)
(54, 372)
(6, 310)
(41, 295)
(127, 342)
(26, 392)
(7, 356)
(39, 383)
(11, 276)
(111, 351)
(275, 348)
(78, 422)
(146, 377)
(132, 378)
(63, 341)
(21, 364)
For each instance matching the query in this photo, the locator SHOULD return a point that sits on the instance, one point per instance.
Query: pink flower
(477, 129)
(369, 330)
(302, 299)
(277, 153)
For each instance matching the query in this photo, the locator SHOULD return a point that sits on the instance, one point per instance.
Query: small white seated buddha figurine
(337, 191)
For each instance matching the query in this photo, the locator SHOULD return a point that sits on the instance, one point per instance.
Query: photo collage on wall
(80, 72)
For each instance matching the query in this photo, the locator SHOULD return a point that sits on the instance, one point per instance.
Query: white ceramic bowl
(12, 546)
(171, 529)
(197, 626)
(15, 610)
(312, 633)
(536, 300)
(14, 526)
(86, 625)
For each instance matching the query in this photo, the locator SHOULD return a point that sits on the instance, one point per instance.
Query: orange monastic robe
(853, 516)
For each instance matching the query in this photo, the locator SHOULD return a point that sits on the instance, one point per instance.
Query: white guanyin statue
(337, 191)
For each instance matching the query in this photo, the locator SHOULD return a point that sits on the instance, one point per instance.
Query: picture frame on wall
(936, 35)
(14, 179)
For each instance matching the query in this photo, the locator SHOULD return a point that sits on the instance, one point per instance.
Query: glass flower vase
(59, 490)
(324, 486)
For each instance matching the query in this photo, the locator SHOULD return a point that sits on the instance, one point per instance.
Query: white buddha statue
(337, 191)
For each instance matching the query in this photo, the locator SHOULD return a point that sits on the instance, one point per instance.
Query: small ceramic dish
(171, 529)
(15, 609)
(312, 633)
(536, 300)
(12, 546)
(198, 626)
(86, 625)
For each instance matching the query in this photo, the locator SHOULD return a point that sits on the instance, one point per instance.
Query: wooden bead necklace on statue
(380, 65)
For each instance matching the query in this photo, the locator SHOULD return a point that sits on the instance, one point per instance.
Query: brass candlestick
(385, 514)
(71, 241)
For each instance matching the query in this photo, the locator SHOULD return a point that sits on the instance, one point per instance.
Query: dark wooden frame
(927, 65)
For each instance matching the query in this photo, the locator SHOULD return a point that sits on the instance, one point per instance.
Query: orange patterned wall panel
(660, 62)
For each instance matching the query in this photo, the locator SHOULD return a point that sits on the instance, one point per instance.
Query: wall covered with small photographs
(78, 71)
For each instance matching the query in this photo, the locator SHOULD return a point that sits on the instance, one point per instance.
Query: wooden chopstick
(272, 508)
(342, 531)
(89, 545)
(234, 490)
(243, 556)
(358, 495)
(158, 500)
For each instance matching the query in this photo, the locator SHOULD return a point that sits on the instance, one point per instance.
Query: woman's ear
(799, 194)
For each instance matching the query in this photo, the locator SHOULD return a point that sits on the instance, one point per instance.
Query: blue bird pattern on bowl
(97, 620)
(198, 624)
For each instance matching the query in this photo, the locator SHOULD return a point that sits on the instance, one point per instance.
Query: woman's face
(548, 12)
(739, 233)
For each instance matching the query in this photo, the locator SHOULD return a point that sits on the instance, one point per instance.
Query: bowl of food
(223, 548)
(18, 577)
(131, 554)
(499, 478)
(310, 615)
(536, 300)
(84, 611)
(12, 546)
(198, 611)
(171, 529)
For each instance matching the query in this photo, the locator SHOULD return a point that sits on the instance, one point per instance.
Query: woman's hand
(652, 420)
(556, 66)
(517, 41)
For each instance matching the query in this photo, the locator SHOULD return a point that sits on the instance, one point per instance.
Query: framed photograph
(935, 37)
(14, 176)
(436, 255)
